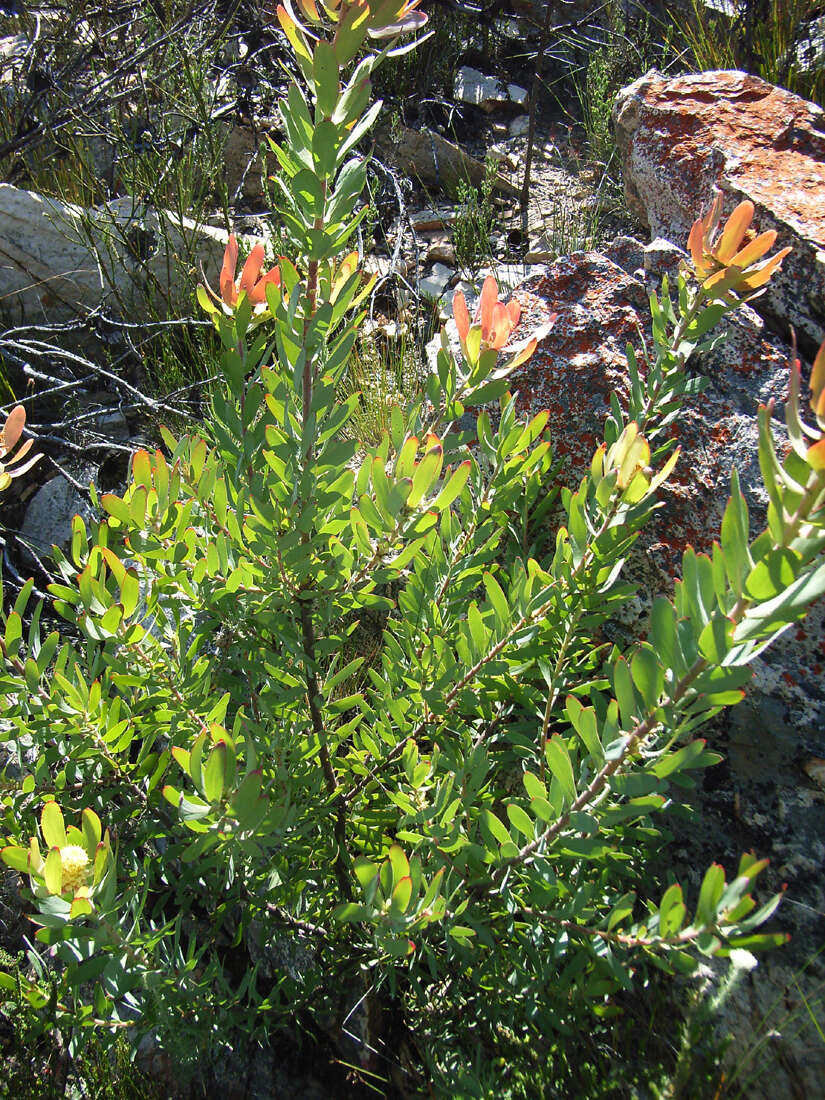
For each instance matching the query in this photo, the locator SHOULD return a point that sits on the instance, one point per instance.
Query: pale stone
(434, 284)
(487, 92)
(58, 259)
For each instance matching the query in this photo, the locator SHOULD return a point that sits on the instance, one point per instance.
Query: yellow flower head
(76, 867)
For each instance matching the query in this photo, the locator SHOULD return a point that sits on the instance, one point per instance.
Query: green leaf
(542, 809)
(621, 911)
(671, 911)
(521, 820)
(713, 885)
(558, 761)
(16, 858)
(401, 894)
(399, 863)
(82, 907)
(365, 871)
(325, 148)
(716, 639)
(53, 871)
(692, 755)
(496, 827)
(773, 574)
(647, 673)
(214, 773)
(534, 786)
(352, 912)
(425, 475)
(663, 632)
(735, 535)
(325, 70)
(247, 797)
(51, 826)
(497, 599)
(92, 830)
(453, 486)
(625, 695)
(14, 632)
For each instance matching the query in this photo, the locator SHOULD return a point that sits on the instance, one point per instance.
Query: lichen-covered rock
(681, 138)
(601, 302)
(767, 794)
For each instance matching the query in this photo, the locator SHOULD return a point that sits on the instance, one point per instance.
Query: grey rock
(434, 284)
(487, 92)
(48, 518)
(441, 251)
(661, 257)
(58, 258)
(683, 138)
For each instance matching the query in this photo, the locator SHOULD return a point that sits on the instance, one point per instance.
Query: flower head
(354, 20)
(75, 864)
(814, 452)
(732, 260)
(252, 282)
(9, 436)
(75, 868)
(385, 18)
(493, 325)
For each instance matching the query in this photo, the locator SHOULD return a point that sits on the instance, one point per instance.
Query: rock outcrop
(768, 794)
(682, 138)
(57, 258)
(601, 302)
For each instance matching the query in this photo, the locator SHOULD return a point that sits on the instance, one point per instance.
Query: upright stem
(316, 714)
(307, 620)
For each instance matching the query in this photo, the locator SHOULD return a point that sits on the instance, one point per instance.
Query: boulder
(49, 514)
(433, 160)
(601, 302)
(434, 284)
(57, 258)
(487, 92)
(682, 138)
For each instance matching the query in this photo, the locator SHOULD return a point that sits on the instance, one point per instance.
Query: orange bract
(496, 319)
(818, 387)
(731, 261)
(493, 325)
(384, 18)
(252, 282)
(10, 433)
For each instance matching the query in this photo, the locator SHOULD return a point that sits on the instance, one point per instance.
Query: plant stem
(315, 702)
(307, 623)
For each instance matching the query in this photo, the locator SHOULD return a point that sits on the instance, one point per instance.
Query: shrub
(329, 731)
(475, 222)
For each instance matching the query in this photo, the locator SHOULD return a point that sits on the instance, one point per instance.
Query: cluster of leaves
(466, 804)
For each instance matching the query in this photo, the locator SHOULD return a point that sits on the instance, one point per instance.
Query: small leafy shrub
(596, 94)
(335, 727)
(631, 47)
(475, 221)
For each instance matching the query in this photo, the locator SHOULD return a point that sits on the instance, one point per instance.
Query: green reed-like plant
(225, 807)
(769, 39)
